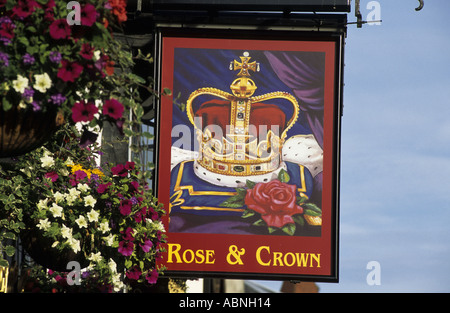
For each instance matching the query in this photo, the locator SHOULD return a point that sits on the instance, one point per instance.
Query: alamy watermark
(74, 16)
(374, 276)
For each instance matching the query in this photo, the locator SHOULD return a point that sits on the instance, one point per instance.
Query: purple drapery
(303, 72)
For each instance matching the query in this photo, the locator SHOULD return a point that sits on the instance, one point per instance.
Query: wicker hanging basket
(23, 131)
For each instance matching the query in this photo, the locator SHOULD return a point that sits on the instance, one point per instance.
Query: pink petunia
(125, 207)
(152, 277)
(53, 176)
(126, 248)
(133, 273)
(103, 187)
(83, 112)
(60, 29)
(146, 246)
(69, 71)
(119, 170)
(113, 108)
(88, 15)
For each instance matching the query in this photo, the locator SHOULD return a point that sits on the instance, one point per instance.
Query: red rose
(275, 201)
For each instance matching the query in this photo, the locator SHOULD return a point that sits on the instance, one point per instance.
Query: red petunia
(7, 30)
(87, 51)
(53, 176)
(24, 9)
(60, 29)
(69, 71)
(113, 108)
(125, 207)
(88, 15)
(83, 112)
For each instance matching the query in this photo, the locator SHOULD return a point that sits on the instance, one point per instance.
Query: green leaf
(250, 184)
(4, 263)
(9, 235)
(272, 229)
(242, 192)
(10, 250)
(6, 104)
(259, 222)
(289, 229)
(301, 200)
(283, 176)
(248, 213)
(233, 202)
(298, 219)
(312, 207)
(311, 212)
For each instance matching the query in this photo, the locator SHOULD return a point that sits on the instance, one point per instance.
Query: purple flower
(4, 58)
(36, 106)
(28, 59)
(57, 99)
(28, 94)
(55, 57)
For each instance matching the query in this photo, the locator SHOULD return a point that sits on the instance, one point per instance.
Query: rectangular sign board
(248, 128)
(255, 5)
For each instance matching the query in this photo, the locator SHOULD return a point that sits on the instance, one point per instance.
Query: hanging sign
(248, 152)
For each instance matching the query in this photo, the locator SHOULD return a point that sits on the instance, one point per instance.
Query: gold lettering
(174, 252)
(315, 257)
(188, 256)
(277, 258)
(258, 255)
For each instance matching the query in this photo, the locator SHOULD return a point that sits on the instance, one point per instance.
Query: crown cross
(244, 66)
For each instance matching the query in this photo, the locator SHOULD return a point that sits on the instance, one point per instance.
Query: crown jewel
(239, 135)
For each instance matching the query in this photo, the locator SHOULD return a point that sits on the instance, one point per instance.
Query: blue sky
(395, 167)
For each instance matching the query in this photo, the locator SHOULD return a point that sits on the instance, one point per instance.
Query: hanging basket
(23, 131)
(40, 250)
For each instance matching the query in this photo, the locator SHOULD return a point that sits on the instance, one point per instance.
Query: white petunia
(69, 161)
(95, 257)
(104, 227)
(93, 216)
(47, 161)
(81, 221)
(90, 201)
(58, 197)
(83, 187)
(56, 210)
(42, 204)
(112, 265)
(66, 232)
(109, 240)
(20, 84)
(44, 224)
(42, 82)
(74, 244)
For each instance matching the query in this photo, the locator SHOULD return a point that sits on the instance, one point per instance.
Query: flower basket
(51, 62)
(74, 208)
(41, 251)
(22, 131)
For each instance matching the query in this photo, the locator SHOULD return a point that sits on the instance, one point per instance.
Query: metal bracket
(420, 7)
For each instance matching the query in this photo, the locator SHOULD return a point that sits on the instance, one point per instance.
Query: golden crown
(244, 146)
